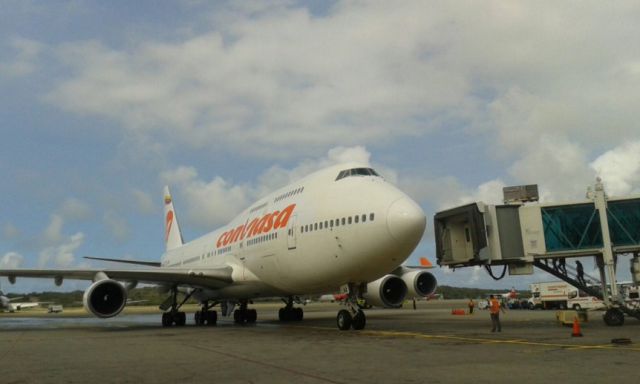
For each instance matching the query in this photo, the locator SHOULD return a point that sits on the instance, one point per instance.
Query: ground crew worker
(580, 273)
(494, 310)
(471, 305)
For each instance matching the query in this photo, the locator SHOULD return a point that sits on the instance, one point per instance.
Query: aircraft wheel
(239, 316)
(167, 320)
(252, 315)
(359, 321)
(613, 317)
(344, 320)
(198, 318)
(298, 314)
(212, 318)
(180, 318)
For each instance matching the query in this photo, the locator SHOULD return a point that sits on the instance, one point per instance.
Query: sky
(102, 103)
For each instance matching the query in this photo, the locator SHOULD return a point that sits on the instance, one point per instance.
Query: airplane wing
(205, 277)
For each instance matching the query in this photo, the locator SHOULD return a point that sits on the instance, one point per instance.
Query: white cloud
(619, 169)
(208, 203)
(11, 260)
(143, 202)
(289, 83)
(53, 232)
(75, 209)
(557, 165)
(10, 231)
(23, 59)
(117, 226)
(57, 247)
(62, 254)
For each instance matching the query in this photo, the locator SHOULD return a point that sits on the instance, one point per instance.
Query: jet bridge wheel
(613, 317)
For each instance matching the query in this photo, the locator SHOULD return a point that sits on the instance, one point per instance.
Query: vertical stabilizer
(172, 234)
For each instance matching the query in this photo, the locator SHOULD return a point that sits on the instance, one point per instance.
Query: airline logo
(168, 223)
(270, 221)
(167, 200)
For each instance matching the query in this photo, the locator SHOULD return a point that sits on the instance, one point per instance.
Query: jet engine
(388, 291)
(105, 298)
(419, 283)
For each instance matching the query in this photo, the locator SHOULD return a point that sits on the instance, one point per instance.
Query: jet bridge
(520, 235)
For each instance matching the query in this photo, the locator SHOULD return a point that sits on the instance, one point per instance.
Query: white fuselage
(312, 236)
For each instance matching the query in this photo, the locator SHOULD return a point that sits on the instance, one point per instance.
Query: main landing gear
(353, 316)
(289, 313)
(243, 315)
(174, 316)
(206, 316)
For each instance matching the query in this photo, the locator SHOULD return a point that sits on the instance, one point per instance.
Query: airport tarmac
(398, 346)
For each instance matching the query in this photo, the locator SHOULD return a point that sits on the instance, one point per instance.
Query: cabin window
(371, 216)
(357, 218)
(349, 220)
(315, 226)
(331, 223)
(343, 221)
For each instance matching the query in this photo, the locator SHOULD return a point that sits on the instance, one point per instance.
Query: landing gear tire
(239, 317)
(251, 315)
(212, 318)
(167, 319)
(206, 318)
(344, 320)
(180, 318)
(359, 321)
(613, 317)
(289, 313)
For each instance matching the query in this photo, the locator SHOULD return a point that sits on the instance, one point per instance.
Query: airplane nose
(406, 221)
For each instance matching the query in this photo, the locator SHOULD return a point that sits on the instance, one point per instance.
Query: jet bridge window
(356, 172)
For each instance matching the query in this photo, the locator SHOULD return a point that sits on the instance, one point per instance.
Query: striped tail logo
(168, 224)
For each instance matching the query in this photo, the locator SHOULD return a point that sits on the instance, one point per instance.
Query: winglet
(172, 234)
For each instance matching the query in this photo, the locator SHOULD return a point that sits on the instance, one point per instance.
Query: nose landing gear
(353, 316)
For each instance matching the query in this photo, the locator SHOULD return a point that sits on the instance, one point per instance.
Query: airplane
(343, 228)
(7, 304)
(512, 294)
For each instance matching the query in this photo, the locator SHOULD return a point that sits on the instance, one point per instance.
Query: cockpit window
(357, 172)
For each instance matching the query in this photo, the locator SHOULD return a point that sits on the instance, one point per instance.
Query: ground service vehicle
(561, 295)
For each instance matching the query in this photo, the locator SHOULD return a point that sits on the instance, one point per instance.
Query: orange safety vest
(494, 306)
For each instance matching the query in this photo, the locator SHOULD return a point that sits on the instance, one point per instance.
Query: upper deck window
(357, 172)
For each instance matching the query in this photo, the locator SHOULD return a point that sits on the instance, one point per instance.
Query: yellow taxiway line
(479, 340)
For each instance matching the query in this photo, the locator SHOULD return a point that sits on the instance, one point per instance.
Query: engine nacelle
(388, 291)
(419, 283)
(105, 298)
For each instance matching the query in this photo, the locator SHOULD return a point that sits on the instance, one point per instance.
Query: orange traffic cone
(576, 328)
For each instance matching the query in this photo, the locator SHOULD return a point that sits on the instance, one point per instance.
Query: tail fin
(172, 234)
